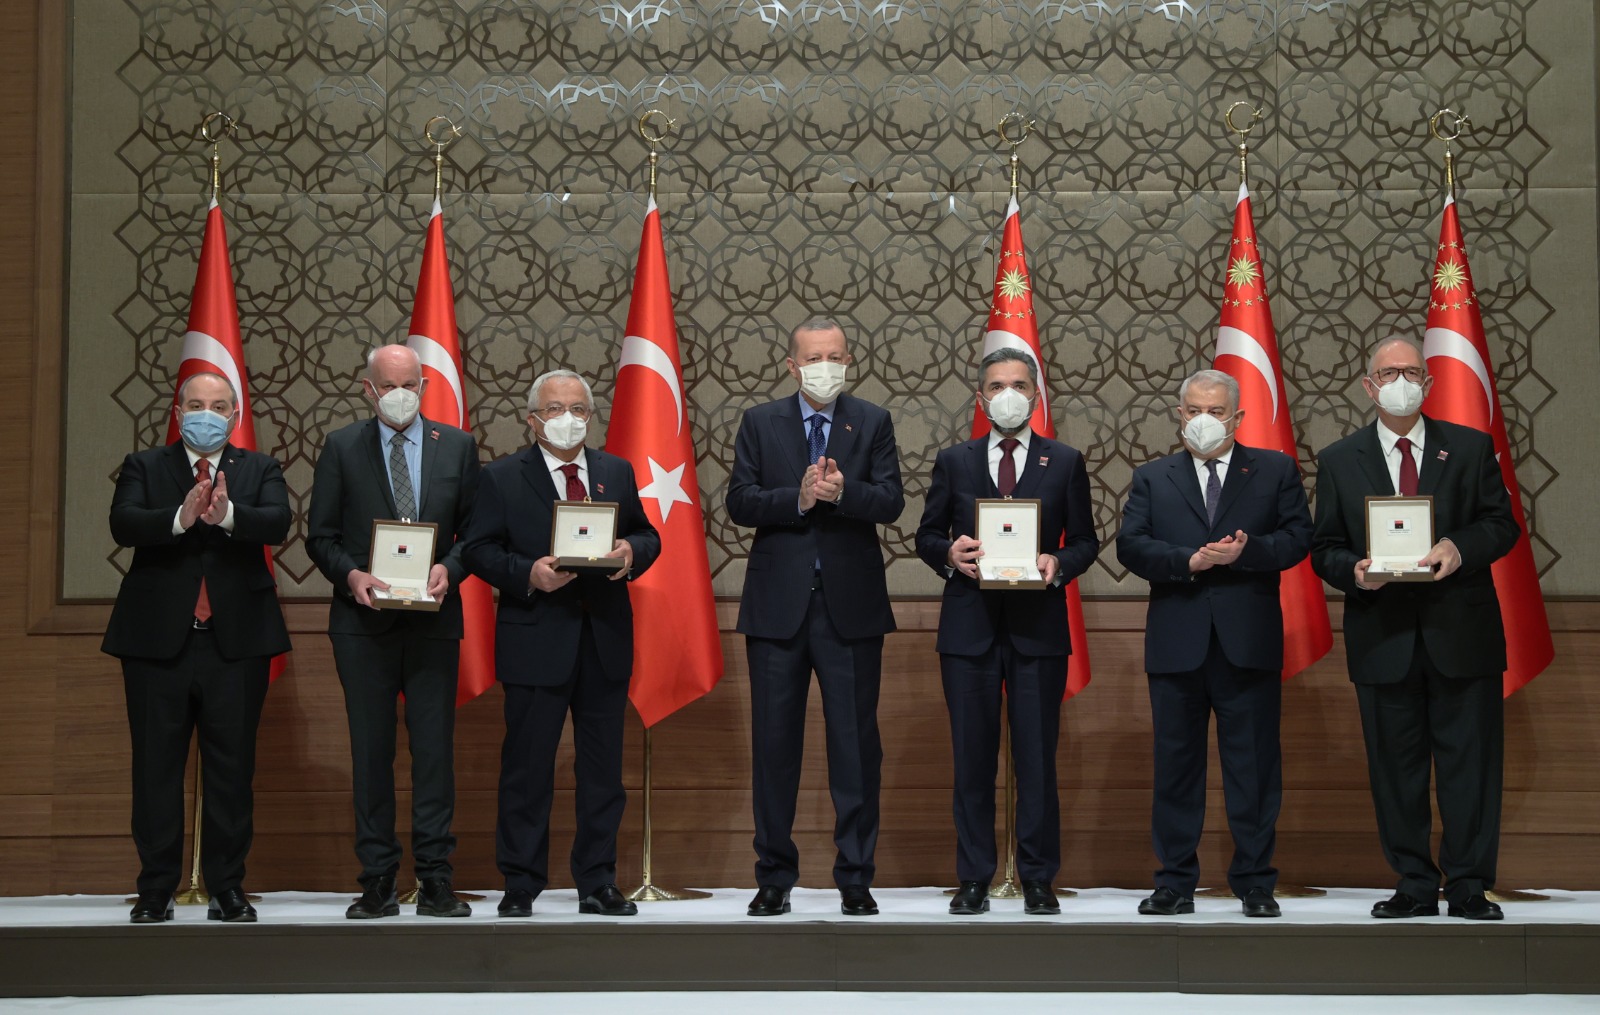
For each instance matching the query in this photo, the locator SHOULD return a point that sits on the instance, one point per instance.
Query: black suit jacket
(1164, 523)
(351, 488)
(154, 612)
(1459, 616)
(1035, 619)
(536, 633)
(769, 459)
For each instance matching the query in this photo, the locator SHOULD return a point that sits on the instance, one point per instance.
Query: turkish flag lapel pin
(1444, 456)
(434, 434)
(600, 488)
(1044, 460)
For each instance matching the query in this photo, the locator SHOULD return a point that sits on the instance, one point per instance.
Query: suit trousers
(375, 670)
(534, 718)
(1455, 727)
(168, 700)
(1033, 686)
(849, 672)
(1247, 704)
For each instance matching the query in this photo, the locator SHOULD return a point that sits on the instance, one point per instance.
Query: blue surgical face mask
(205, 431)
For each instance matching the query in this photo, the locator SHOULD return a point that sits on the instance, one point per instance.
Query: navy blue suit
(1018, 639)
(815, 598)
(555, 652)
(1214, 643)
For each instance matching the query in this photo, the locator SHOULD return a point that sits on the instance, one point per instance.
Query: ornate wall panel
(833, 156)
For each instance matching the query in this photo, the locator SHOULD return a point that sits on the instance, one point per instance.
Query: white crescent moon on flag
(201, 346)
(1233, 342)
(993, 340)
(641, 352)
(432, 354)
(1454, 345)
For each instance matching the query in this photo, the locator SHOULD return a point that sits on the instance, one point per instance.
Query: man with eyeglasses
(563, 644)
(1426, 657)
(1210, 528)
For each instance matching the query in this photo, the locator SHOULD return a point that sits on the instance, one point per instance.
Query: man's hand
(217, 509)
(361, 586)
(1361, 576)
(808, 485)
(545, 578)
(624, 550)
(1227, 549)
(438, 582)
(1049, 566)
(1444, 558)
(830, 481)
(964, 554)
(194, 504)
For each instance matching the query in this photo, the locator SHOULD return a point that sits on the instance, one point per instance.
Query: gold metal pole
(213, 128)
(195, 895)
(1023, 129)
(1244, 136)
(654, 126)
(1008, 888)
(1462, 124)
(649, 891)
(440, 142)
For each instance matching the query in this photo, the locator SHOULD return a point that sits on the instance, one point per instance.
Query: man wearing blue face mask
(1017, 640)
(196, 625)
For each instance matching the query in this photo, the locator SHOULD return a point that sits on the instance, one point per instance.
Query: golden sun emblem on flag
(1450, 276)
(1243, 271)
(1013, 285)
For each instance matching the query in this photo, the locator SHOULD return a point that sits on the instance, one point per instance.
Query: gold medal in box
(1399, 533)
(582, 532)
(1009, 531)
(402, 556)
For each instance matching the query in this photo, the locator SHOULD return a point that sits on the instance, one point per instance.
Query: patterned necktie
(1408, 468)
(1008, 467)
(575, 490)
(202, 604)
(405, 499)
(815, 443)
(1213, 491)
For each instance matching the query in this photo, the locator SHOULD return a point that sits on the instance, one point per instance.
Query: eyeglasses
(1388, 374)
(554, 409)
(1218, 412)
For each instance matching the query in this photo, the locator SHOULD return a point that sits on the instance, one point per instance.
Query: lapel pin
(434, 434)
(1044, 460)
(1244, 471)
(1444, 455)
(600, 487)
(849, 428)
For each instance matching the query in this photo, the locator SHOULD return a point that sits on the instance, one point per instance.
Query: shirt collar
(806, 411)
(1387, 438)
(1223, 459)
(413, 432)
(555, 464)
(1023, 439)
(215, 458)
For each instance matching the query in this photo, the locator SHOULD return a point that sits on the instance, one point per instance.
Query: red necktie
(575, 490)
(202, 605)
(1008, 467)
(1408, 468)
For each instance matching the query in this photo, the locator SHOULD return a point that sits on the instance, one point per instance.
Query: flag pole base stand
(654, 893)
(410, 898)
(1283, 891)
(1512, 895)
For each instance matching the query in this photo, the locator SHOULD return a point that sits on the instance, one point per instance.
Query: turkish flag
(433, 337)
(677, 654)
(1247, 350)
(1012, 325)
(1464, 393)
(213, 345)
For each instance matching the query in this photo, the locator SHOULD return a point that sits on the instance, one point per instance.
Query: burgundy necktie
(1408, 468)
(1008, 467)
(575, 490)
(202, 605)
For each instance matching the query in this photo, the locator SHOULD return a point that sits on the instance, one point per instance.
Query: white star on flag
(666, 488)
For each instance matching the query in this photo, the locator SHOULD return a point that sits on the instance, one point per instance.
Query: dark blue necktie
(815, 442)
(1213, 491)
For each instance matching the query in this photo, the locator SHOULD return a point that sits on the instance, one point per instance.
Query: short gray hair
(1211, 379)
(233, 395)
(816, 324)
(1393, 340)
(1007, 354)
(558, 375)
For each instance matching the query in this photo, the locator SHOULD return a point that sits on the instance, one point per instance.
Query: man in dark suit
(815, 474)
(1210, 528)
(1015, 640)
(563, 643)
(396, 465)
(1426, 657)
(196, 625)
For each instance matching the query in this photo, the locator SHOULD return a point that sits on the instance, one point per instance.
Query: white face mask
(566, 431)
(1400, 397)
(822, 381)
(399, 407)
(1008, 410)
(1204, 434)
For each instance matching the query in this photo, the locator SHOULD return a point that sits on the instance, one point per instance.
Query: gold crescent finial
(439, 142)
(1244, 135)
(1462, 125)
(654, 127)
(1024, 128)
(213, 128)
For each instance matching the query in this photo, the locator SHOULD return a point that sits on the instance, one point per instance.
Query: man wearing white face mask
(1017, 640)
(1426, 657)
(815, 474)
(1210, 528)
(396, 465)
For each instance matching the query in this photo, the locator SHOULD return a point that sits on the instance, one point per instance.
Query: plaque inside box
(1008, 528)
(582, 532)
(402, 556)
(1399, 533)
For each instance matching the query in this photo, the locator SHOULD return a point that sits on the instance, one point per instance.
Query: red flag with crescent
(1464, 392)
(437, 343)
(1247, 350)
(677, 654)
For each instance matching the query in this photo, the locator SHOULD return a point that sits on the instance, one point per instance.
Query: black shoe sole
(847, 911)
(151, 919)
(444, 913)
(1264, 913)
(1182, 909)
(361, 914)
(590, 909)
(969, 911)
(1486, 917)
(1042, 910)
(767, 912)
(1389, 915)
(514, 914)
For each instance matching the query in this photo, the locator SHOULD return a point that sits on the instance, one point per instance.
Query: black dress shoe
(770, 900)
(231, 906)
(856, 900)
(1039, 899)
(436, 897)
(1476, 907)
(1166, 902)
(377, 900)
(1403, 907)
(517, 903)
(970, 899)
(607, 901)
(152, 907)
(1259, 902)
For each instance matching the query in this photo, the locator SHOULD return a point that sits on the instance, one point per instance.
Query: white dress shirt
(559, 478)
(1019, 454)
(1204, 474)
(1389, 441)
(215, 458)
